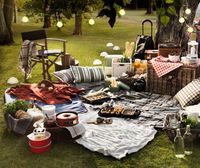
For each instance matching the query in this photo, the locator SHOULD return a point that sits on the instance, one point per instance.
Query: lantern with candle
(193, 51)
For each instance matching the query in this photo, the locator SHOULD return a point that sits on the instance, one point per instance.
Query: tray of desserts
(96, 98)
(119, 111)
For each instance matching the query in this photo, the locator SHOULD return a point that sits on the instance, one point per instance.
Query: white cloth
(117, 139)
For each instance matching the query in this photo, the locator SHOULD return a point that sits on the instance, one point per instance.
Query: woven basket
(172, 82)
(167, 48)
(171, 132)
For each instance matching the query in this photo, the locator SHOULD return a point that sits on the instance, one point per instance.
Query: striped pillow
(190, 94)
(87, 74)
(64, 76)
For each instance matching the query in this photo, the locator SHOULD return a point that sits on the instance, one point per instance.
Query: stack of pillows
(79, 74)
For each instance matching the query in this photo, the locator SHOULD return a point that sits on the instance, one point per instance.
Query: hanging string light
(122, 12)
(188, 11)
(24, 19)
(190, 29)
(91, 22)
(181, 19)
(59, 24)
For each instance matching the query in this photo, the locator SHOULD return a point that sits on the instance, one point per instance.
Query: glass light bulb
(59, 24)
(188, 11)
(181, 20)
(122, 12)
(25, 19)
(91, 22)
(190, 29)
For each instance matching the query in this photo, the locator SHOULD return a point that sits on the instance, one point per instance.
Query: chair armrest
(40, 44)
(56, 39)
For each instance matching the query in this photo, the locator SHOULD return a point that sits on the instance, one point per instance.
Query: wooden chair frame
(43, 57)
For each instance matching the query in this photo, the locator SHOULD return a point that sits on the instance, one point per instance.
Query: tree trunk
(6, 16)
(47, 18)
(150, 7)
(15, 11)
(176, 32)
(78, 25)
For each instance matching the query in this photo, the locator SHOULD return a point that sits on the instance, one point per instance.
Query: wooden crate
(172, 82)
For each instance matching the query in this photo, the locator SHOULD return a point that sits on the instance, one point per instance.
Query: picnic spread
(115, 110)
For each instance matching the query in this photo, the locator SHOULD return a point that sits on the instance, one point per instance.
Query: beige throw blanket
(28, 50)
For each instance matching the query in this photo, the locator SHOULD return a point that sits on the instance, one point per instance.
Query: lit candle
(192, 50)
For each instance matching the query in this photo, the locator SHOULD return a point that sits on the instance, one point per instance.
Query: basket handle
(151, 24)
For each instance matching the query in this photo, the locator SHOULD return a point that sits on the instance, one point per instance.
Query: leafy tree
(58, 8)
(168, 11)
(6, 17)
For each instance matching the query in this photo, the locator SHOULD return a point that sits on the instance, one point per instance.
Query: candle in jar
(192, 50)
(49, 110)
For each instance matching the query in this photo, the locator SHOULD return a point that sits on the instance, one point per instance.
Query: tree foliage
(111, 8)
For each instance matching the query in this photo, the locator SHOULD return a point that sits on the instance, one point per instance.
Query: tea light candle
(49, 110)
(192, 51)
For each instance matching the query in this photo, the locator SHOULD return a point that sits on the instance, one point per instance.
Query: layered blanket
(125, 136)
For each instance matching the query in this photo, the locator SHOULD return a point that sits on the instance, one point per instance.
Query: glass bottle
(188, 141)
(179, 144)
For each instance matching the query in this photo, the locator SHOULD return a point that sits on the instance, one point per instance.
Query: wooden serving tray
(119, 112)
(96, 98)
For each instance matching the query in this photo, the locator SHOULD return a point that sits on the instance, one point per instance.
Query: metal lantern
(193, 49)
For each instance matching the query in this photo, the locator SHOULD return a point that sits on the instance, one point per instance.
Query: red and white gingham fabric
(162, 68)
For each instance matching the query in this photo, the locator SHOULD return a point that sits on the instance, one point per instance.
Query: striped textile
(64, 75)
(28, 50)
(87, 74)
(190, 94)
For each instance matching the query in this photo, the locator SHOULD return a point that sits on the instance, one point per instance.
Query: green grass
(14, 150)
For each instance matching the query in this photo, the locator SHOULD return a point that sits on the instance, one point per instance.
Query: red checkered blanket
(162, 68)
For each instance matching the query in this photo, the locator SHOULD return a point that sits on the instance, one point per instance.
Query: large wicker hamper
(172, 82)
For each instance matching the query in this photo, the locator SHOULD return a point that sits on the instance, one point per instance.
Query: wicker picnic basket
(172, 82)
(171, 132)
(168, 48)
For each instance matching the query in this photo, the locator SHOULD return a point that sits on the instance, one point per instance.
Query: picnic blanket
(125, 136)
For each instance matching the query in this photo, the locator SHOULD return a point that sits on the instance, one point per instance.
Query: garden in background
(15, 153)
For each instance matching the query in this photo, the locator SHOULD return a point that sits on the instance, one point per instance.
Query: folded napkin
(162, 67)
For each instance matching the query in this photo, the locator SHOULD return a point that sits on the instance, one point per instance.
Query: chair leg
(47, 70)
(43, 69)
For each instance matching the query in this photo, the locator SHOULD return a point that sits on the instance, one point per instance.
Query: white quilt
(117, 139)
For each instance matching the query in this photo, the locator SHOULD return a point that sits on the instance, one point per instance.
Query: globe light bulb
(188, 11)
(59, 24)
(122, 12)
(190, 29)
(25, 19)
(91, 22)
(181, 20)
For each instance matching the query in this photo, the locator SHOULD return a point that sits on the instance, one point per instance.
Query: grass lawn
(14, 150)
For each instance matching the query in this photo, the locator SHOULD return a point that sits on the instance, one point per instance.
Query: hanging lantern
(122, 12)
(59, 24)
(25, 19)
(193, 52)
(91, 22)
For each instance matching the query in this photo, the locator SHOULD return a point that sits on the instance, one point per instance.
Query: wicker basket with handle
(172, 82)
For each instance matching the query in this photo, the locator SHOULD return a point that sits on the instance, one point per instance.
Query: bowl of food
(174, 58)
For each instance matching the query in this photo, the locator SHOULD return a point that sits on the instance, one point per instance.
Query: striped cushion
(87, 74)
(64, 76)
(190, 94)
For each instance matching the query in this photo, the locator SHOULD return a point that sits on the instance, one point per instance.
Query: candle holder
(192, 51)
